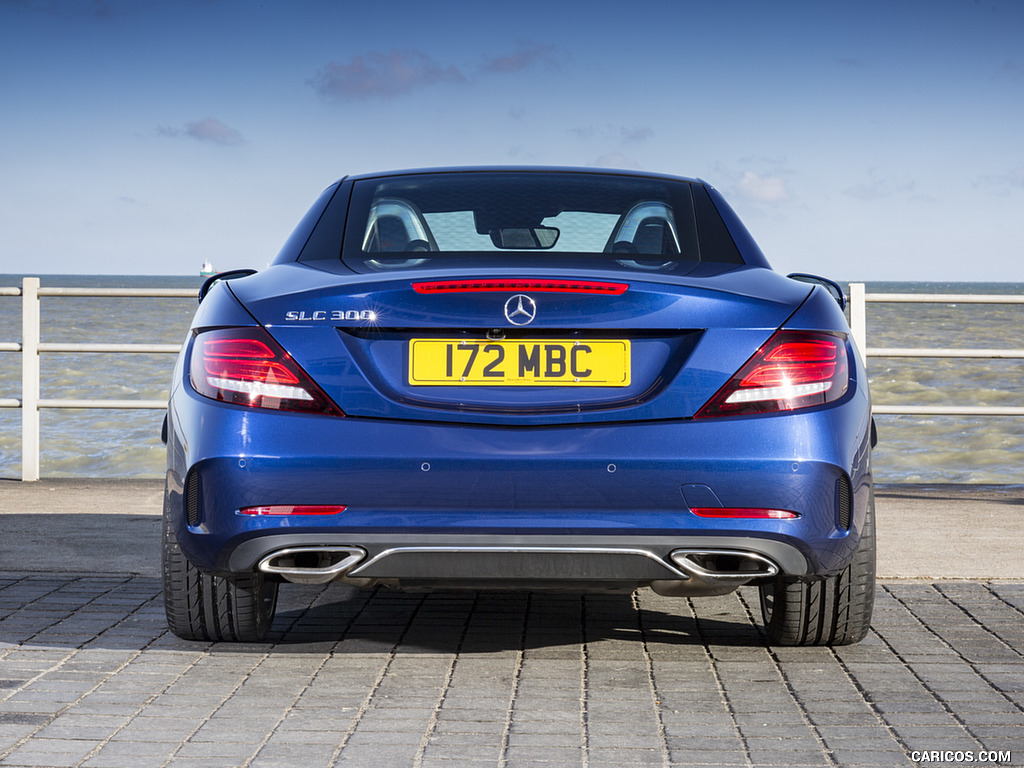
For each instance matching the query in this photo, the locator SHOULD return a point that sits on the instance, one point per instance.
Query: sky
(862, 140)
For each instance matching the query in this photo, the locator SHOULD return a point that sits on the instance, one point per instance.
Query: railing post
(30, 378)
(858, 318)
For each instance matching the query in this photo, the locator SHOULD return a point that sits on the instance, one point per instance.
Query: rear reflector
(537, 286)
(745, 513)
(294, 509)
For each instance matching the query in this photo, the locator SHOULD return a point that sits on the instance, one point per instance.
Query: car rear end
(506, 379)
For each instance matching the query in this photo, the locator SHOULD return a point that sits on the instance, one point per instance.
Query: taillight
(245, 366)
(794, 369)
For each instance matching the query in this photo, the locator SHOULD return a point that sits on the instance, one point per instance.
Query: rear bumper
(694, 565)
(576, 505)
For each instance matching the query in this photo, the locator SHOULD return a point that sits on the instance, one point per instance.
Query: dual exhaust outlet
(688, 572)
(311, 565)
(714, 572)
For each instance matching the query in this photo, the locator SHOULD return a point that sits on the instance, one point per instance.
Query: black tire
(199, 606)
(830, 611)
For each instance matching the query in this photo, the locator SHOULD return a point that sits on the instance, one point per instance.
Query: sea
(126, 443)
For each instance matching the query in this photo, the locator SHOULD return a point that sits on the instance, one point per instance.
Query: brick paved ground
(89, 676)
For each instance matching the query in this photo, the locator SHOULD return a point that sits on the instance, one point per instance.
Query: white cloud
(765, 189)
(884, 187)
(213, 130)
(1011, 71)
(208, 129)
(865, 192)
(1002, 183)
(382, 75)
(527, 54)
(636, 134)
(616, 160)
(610, 133)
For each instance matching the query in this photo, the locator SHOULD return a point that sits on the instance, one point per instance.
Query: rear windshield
(499, 219)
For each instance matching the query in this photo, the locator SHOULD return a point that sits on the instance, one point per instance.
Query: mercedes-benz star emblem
(520, 309)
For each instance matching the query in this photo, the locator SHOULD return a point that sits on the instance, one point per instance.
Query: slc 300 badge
(332, 315)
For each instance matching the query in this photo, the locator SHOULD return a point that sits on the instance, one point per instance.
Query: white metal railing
(859, 299)
(31, 347)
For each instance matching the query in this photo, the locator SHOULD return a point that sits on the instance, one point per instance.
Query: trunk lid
(527, 349)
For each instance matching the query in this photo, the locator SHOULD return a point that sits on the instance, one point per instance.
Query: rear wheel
(832, 611)
(219, 608)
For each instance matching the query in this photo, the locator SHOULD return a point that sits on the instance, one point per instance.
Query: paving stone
(551, 680)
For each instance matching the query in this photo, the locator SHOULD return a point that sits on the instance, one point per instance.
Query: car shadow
(112, 611)
(380, 620)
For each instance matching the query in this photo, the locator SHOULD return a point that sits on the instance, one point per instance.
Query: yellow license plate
(520, 363)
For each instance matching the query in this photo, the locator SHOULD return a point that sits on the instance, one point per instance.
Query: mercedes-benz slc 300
(520, 379)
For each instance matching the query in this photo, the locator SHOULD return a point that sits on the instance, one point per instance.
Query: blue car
(520, 378)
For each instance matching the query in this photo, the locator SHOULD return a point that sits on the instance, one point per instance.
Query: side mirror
(230, 274)
(829, 285)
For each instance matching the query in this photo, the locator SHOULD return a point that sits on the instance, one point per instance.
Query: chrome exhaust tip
(724, 564)
(311, 565)
(714, 572)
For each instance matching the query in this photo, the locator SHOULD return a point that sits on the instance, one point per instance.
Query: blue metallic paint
(364, 375)
(541, 480)
(414, 464)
